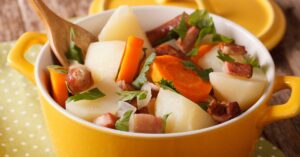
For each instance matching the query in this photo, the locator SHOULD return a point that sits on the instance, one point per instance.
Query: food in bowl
(177, 77)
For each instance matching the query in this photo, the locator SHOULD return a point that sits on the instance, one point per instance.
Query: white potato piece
(210, 60)
(122, 24)
(232, 88)
(103, 59)
(185, 114)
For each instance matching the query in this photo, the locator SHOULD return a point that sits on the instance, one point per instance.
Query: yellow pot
(74, 137)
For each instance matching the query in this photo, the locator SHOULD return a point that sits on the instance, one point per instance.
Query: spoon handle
(43, 11)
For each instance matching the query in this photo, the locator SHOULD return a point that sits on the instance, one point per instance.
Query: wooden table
(16, 18)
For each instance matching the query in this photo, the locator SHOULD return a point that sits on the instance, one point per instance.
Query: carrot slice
(58, 76)
(203, 49)
(186, 81)
(131, 59)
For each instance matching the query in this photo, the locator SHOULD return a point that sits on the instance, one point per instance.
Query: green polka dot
(22, 129)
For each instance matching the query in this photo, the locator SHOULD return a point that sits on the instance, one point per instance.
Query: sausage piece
(238, 69)
(166, 49)
(79, 78)
(232, 49)
(107, 120)
(146, 123)
(162, 31)
(222, 112)
(187, 43)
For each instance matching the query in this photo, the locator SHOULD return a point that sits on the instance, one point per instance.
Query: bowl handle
(16, 57)
(288, 110)
(100, 5)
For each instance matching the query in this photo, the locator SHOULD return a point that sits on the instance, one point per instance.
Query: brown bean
(162, 31)
(187, 43)
(79, 78)
(107, 120)
(145, 123)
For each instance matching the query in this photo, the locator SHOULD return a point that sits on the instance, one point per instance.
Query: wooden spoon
(59, 32)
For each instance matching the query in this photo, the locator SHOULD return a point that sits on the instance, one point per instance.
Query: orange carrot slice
(58, 76)
(203, 49)
(185, 80)
(131, 59)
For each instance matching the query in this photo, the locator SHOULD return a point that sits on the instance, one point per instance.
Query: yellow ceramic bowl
(74, 137)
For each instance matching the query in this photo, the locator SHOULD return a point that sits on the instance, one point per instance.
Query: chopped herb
(171, 35)
(129, 95)
(141, 78)
(224, 57)
(166, 84)
(202, 20)
(193, 52)
(181, 29)
(204, 105)
(203, 33)
(252, 61)
(123, 123)
(204, 74)
(74, 53)
(164, 118)
(91, 94)
(58, 69)
(221, 38)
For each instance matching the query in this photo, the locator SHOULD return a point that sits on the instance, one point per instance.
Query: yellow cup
(74, 137)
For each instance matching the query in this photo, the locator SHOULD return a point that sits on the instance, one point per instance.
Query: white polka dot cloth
(22, 129)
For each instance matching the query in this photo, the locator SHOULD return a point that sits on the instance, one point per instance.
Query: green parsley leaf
(91, 94)
(224, 57)
(204, 105)
(74, 53)
(203, 32)
(181, 29)
(164, 118)
(193, 52)
(129, 95)
(165, 84)
(221, 38)
(141, 78)
(204, 74)
(58, 69)
(123, 123)
(252, 61)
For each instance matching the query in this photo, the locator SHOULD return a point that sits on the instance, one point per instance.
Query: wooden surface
(16, 18)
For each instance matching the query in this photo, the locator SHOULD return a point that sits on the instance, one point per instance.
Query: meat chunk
(162, 31)
(232, 49)
(224, 111)
(107, 120)
(166, 49)
(145, 123)
(187, 43)
(79, 78)
(238, 69)
(125, 86)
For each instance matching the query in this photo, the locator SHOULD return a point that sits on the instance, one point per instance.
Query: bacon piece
(166, 49)
(232, 49)
(222, 112)
(238, 69)
(162, 31)
(107, 120)
(145, 123)
(187, 43)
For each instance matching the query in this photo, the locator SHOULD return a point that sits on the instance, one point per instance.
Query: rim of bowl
(85, 123)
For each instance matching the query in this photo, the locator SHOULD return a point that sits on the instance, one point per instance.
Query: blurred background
(16, 17)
